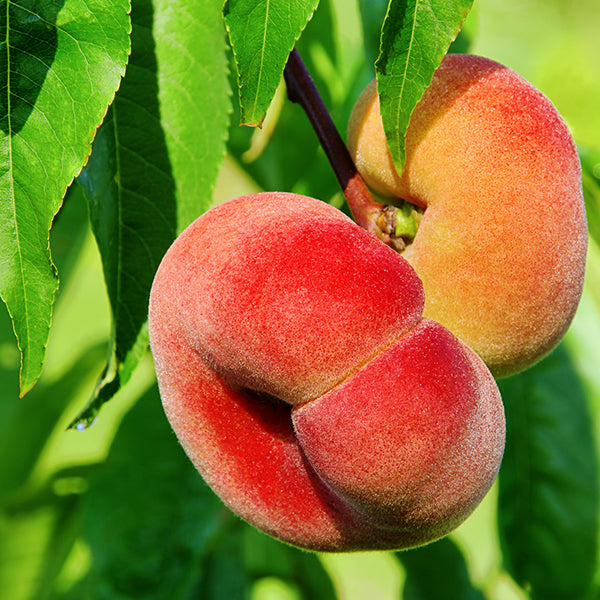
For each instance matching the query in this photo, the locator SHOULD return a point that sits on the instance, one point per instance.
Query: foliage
(119, 124)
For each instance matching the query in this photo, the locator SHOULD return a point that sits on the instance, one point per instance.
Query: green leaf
(155, 162)
(262, 35)
(34, 542)
(26, 427)
(267, 557)
(194, 97)
(60, 64)
(438, 570)
(286, 137)
(415, 37)
(223, 574)
(148, 518)
(548, 492)
(590, 163)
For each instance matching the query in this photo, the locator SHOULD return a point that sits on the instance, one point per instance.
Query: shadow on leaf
(26, 58)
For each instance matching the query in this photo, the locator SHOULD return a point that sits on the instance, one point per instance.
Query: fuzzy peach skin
(502, 243)
(301, 380)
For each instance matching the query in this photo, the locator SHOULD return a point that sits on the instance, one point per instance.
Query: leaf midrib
(262, 59)
(406, 62)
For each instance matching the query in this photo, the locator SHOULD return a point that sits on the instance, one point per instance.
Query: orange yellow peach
(501, 246)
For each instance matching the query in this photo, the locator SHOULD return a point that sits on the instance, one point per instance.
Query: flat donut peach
(296, 369)
(502, 243)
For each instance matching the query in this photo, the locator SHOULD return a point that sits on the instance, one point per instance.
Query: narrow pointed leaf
(262, 35)
(60, 64)
(195, 98)
(155, 162)
(415, 37)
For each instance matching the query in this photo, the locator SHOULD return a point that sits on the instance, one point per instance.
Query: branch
(378, 219)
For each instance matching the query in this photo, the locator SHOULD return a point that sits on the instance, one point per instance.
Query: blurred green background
(117, 511)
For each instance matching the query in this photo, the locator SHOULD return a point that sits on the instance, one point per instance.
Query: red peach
(300, 378)
(502, 242)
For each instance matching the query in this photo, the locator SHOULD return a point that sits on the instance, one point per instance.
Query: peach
(296, 369)
(502, 242)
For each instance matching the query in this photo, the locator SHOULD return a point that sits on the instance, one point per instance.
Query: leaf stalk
(366, 211)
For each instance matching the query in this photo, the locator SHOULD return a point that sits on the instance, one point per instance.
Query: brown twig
(367, 213)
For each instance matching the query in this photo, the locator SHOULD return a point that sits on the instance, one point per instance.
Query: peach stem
(366, 211)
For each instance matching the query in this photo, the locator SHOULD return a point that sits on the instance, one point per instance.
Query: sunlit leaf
(194, 98)
(290, 159)
(262, 35)
(35, 539)
(415, 37)
(25, 427)
(60, 64)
